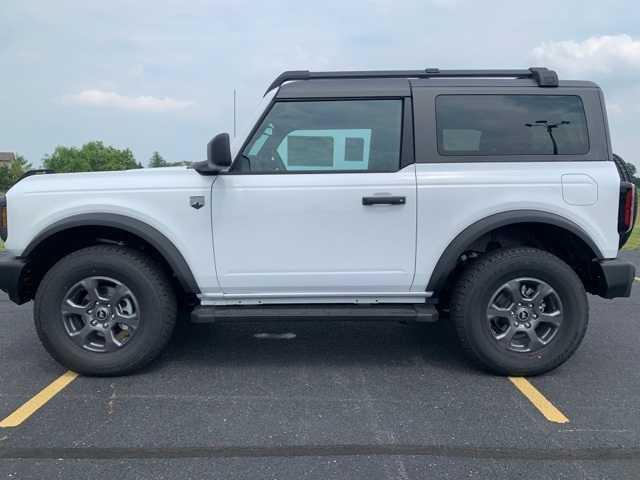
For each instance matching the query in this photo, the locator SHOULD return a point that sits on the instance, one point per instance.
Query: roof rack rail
(543, 76)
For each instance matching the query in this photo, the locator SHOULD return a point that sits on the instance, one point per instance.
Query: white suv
(489, 197)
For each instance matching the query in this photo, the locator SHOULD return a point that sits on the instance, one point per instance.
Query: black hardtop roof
(354, 88)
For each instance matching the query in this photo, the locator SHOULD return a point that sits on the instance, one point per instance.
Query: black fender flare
(146, 232)
(449, 258)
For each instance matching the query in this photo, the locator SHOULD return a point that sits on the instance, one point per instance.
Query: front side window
(511, 125)
(326, 136)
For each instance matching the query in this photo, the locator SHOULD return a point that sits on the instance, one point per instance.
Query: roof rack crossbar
(543, 76)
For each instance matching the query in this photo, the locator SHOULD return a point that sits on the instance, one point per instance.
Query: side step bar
(402, 312)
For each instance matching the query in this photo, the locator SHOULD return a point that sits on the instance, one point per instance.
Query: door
(318, 204)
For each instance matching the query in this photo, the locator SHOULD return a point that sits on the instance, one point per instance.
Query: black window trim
(534, 155)
(407, 144)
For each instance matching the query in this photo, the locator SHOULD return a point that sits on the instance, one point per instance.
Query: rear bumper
(12, 274)
(618, 277)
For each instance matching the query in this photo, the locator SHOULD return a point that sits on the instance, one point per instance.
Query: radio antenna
(234, 112)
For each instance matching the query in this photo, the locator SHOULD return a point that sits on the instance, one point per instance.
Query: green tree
(631, 168)
(5, 182)
(157, 161)
(11, 173)
(91, 157)
(20, 166)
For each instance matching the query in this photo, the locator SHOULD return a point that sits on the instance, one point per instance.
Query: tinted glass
(354, 149)
(511, 125)
(321, 136)
(309, 151)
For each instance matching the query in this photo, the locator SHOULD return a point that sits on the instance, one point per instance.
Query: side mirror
(219, 151)
(218, 156)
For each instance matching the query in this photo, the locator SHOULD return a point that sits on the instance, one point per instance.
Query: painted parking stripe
(637, 279)
(544, 406)
(39, 400)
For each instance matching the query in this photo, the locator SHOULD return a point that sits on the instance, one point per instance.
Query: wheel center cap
(102, 313)
(523, 315)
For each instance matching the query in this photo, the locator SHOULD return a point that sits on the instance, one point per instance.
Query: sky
(160, 74)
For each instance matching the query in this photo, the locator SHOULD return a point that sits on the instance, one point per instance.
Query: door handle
(387, 200)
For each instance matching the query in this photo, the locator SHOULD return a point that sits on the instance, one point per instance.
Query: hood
(138, 179)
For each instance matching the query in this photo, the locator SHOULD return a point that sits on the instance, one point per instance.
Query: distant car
(492, 197)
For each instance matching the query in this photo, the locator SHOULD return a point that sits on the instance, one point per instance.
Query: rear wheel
(105, 310)
(519, 311)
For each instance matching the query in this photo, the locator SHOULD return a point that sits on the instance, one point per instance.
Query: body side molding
(131, 225)
(460, 243)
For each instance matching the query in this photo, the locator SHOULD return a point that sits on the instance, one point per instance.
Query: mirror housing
(218, 156)
(219, 151)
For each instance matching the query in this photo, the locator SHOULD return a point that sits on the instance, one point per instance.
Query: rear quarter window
(511, 125)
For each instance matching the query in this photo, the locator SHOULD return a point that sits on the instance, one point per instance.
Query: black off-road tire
(145, 279)
(472, 294)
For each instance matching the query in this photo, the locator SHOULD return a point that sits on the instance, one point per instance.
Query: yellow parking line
(539, 401)
(40, 399)
(637, 279)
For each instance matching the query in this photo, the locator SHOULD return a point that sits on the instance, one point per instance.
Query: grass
(634, 239)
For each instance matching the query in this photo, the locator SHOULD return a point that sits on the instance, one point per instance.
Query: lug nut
(528, 325)
(105, 325)
(535, 315)
(93, 323)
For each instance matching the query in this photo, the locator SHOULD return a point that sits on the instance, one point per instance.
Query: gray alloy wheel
(519, 311)
(100, 314)
(105, 310)
(524, 315)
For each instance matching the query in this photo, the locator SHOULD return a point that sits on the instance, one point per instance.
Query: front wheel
(519, 311)
(105, 310)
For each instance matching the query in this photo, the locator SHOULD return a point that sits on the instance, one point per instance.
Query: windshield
(245, 130)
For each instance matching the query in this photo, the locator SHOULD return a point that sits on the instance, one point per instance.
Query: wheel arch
(522, 219)
(112, 228)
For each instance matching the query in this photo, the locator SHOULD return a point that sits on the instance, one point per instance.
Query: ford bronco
(491, 198)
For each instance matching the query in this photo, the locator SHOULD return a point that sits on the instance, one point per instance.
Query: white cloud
(445, 3)
(600, 54)
(106, 99)
(392, 5)
(614, 108)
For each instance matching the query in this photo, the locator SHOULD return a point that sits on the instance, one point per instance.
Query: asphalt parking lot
(324, 400)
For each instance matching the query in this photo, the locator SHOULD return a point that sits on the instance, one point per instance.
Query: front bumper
(618, 277)
(12, 278)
